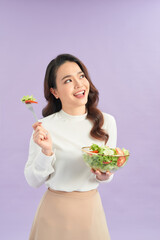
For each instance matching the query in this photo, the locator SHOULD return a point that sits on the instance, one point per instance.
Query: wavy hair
(54, 105)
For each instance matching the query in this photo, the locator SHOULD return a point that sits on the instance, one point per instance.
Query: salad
(104, 158)
(28, 99)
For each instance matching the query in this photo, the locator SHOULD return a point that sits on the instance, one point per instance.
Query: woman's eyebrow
(70, 75)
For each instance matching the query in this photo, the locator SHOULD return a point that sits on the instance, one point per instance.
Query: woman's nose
(78, 83)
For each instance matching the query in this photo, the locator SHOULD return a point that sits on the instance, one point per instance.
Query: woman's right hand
(42, 137)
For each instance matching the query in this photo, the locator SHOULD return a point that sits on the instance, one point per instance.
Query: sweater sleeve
(39, 166)
(111, 127)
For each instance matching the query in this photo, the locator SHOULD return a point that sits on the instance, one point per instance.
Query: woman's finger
(39, 135)
(35, 125)
(98, 172)
(39, 129)
(92, 170)
(109, 173)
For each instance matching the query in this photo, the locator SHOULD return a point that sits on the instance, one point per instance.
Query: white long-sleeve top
(66, 170)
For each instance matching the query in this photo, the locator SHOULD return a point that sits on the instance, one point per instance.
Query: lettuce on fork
(28, 99)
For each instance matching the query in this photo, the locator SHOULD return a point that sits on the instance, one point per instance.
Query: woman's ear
(54, 92)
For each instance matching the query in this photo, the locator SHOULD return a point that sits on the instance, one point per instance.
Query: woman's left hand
(100, 175)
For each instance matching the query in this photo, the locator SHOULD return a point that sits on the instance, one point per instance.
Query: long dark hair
(54, 105)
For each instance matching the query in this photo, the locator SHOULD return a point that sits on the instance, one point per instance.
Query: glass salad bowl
(104, 158)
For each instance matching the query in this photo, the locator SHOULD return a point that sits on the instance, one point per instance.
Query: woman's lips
(80, 94)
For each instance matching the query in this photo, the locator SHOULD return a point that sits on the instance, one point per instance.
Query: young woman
(71, 208)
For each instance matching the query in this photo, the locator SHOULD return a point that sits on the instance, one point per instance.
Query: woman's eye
(82, 76)
(68, 80)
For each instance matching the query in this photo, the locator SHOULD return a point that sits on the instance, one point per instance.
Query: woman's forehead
(68, 68)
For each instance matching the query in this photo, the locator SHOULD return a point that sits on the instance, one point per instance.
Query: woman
(71, 208)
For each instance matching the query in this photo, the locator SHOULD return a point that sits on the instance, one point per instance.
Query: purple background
(119, 42)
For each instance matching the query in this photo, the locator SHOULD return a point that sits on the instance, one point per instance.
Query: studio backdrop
(119, 42)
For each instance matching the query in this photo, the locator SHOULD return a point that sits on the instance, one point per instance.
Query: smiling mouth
(81, 93)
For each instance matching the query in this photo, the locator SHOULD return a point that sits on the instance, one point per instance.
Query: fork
(30, 107)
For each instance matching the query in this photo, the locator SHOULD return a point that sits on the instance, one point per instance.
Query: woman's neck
(75, 111)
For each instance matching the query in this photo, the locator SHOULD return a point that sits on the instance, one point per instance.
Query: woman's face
(72, 87)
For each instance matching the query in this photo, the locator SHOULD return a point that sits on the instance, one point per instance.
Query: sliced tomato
(119, 151)
(30, 101)
(95, 151)
(107, 162)
(121, 160)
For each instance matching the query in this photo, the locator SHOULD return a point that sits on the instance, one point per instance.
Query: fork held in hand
(30, 107)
